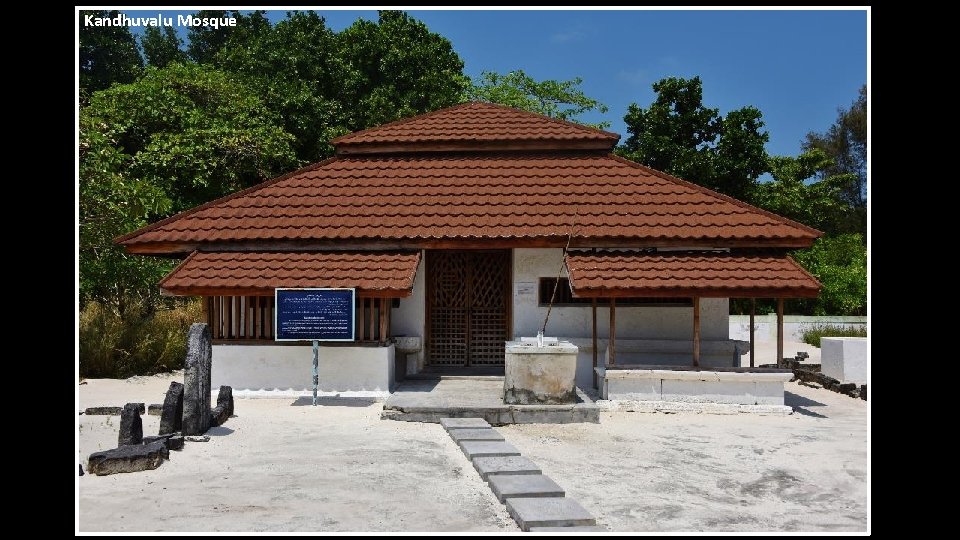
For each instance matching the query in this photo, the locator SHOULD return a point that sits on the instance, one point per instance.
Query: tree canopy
(558, 99)
(108, 54)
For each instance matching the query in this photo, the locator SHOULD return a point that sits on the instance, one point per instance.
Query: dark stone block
(155, 409)
(196, 380)
(863, 392)
(175, 442)
(171, 418)
(225, 397)
(131, 458)
(131, 426)
(112, 411)
(219, 415)
(81, 468)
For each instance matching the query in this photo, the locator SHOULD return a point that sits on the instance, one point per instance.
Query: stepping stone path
(533, 500)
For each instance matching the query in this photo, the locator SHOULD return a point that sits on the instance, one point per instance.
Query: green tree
(178, 137)
(162, 45)
(840, 263)
(679, 135)
(108, 54)
(792, 194)
(206, 42)
(394, 68)
(296, 68)
(557, 99)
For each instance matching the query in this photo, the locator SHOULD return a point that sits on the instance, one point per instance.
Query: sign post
(314, 315)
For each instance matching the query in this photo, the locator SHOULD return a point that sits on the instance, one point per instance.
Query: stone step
(488, 466)
(487, 434)
(548, 512)
(505, 486)
(463, 423)
(473, 449)
(567, 529)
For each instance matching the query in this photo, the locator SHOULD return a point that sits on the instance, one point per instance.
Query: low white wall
(409, 319)
(845, 358)
(365, 371)
(765, 326)
(693, 386)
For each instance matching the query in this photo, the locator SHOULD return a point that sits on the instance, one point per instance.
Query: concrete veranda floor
(281, 465)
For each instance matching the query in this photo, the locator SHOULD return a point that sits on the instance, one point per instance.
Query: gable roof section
(717, 274)
(475, 127)
(413, 200)
(255, 273)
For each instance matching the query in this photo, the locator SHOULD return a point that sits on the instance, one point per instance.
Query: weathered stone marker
(196, 380)
(131, 426)
(224, 409)
(171, 417)
(125, 459)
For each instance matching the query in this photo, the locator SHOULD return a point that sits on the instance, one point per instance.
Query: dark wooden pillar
(612, 345)
(593, 309)
(696, 331)
(753, 311)
(383, 320)
(779, 331)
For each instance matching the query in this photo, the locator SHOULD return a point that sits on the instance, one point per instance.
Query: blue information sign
(314, 314)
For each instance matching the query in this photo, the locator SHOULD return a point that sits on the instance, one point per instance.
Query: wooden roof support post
(753, 311)
(384, 309)
(612, 345)
(696, 331)
(779, 331)
(593, 309)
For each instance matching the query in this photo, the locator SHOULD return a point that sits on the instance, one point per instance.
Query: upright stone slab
(131, 426)
(196, 380)
(171, 417)
(225, 399)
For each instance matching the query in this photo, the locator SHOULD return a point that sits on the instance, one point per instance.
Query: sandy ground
(281, 465)
(699, 472)
(766, 352)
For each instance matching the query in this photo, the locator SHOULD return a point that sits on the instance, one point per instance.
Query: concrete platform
(474, 449)
(494, 465)
(430, 401)
(463, 423)
(488, 434)
(505, 486)
(548, 512)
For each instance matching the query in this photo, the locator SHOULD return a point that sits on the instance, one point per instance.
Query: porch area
(456, 396)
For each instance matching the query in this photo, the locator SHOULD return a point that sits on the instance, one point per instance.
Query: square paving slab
(548, 512)
(505, 486)
(487, 434)
(488, 466)
(474, 449)
(463, 423)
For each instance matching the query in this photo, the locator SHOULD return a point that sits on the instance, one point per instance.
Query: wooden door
(468, 307)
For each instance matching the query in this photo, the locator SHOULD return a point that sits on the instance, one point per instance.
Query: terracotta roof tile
(619, 273)
(251, 273)
(477, 124)
(474, 196)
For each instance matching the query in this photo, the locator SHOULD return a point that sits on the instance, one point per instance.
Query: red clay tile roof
(483, 126)
(412, 200)
(374, 273)
(638, 274)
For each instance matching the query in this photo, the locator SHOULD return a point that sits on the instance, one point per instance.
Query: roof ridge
(397, 122)
(266, 183)
(804, 270)
(551, 118)
(711, 192)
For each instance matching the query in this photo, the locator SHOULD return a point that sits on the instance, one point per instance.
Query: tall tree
(558, 99)
(794, 195)
(177, 137)
(845, 142)
(207, 41)
(108, 54)
(162, 45)
(681, 136)
(396, 67)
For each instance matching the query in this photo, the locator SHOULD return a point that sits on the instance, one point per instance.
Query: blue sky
(797, 67)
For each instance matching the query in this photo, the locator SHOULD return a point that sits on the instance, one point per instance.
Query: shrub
(141, 342)
(812, 334)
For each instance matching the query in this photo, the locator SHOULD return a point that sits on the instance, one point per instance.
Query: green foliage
(845, 142)
(396, 68)
(557, 99)
(812, 334)
(108, 54)
(162, 46)
(142, 341)
(178, 137)
(817, 204)
(679, 135)
(840, 263)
